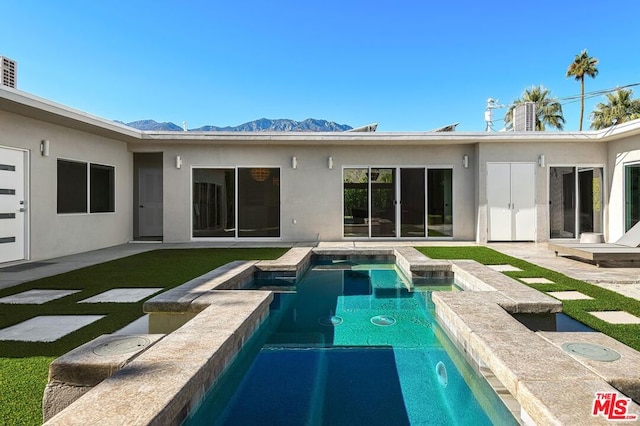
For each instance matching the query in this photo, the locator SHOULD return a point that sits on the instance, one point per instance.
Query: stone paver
(569, 295)
(48, 328)
(122, 295)
(36, 296)
(616, 317)
(504, 268)
(536, 280)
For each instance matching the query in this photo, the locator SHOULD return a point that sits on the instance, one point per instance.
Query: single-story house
(71, 182)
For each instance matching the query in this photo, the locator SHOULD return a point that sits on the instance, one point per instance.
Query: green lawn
(603, 299)
(24, 365)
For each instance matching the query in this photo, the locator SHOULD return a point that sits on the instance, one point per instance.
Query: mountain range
(261, 125)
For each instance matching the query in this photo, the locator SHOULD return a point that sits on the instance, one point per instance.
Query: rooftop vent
(524, 117)
(8, 69)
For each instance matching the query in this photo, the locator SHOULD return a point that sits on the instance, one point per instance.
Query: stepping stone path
(36, 297)
(122, 295)
(569, 295)
(504, 268)
(536, 281)
(616, 317)
(47, 328)
(52, 327)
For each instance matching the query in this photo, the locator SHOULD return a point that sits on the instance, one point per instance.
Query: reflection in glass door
(236, 203)
(631, 195)
(214, 192)
(390, 202)
(439, 201)
(356, 202)
(590, 199)
(412, 207)
(383, 202)
(575, 201)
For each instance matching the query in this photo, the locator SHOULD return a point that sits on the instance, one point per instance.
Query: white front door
(499, 201)
(12, 207)
(150, 202)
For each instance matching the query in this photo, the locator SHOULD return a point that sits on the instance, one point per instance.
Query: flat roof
(25, 104)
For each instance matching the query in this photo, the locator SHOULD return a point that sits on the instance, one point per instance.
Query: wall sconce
(294, 163)
(541, 160)
(330, 163)
(178, 161)
(44, 148)
(465, 161)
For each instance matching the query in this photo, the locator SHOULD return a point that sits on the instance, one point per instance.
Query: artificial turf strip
(158, 268)
(23, 369)
(604, 300)
(22, 382)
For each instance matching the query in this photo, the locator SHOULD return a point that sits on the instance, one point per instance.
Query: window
(72, 187)
(85, 187)
(102, 194)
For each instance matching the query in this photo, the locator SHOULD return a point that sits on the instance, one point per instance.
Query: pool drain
(383, 320)
(122, 346)
(330, 321)
(591, 351)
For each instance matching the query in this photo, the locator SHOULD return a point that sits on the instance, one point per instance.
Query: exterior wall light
(330, 163)
(44, 148)
(541, 160)
(465, 161)
(294, 163)
(178, 162)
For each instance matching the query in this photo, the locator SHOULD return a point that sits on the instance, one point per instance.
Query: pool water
(353, 346)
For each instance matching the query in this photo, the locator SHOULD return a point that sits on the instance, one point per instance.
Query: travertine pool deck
(551, 386)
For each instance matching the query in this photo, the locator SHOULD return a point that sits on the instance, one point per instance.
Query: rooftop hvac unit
(524, 117)
(8, 71)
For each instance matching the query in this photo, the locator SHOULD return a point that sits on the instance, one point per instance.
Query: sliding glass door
(387, 202)
(383, 202)
(248, 197)
(575, 201)
(355, 193)
(631, 195)
(412, 205)
(440, 212)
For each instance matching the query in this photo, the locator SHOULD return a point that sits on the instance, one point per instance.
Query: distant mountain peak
(260, 125)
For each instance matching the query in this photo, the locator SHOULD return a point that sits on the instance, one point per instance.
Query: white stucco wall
(51, 234)
(621, 152)
(311, 194)
(588, 152)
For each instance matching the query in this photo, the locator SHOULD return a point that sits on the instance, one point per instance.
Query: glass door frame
(236, 200)
(626, 219)
(577, 168)
(398, 202)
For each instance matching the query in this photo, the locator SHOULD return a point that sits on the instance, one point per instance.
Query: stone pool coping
(165, 381)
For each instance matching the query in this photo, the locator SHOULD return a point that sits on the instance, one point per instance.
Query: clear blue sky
(408, 65)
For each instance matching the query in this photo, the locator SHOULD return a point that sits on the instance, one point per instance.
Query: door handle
(141, 206)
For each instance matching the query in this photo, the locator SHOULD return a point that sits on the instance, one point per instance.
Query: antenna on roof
(488, 113)
(184, 126)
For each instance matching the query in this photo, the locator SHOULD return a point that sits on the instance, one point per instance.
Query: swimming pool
(354, 344)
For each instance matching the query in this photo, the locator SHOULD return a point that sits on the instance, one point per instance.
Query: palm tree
(548, 109)
(582, 65)
(620, 107)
